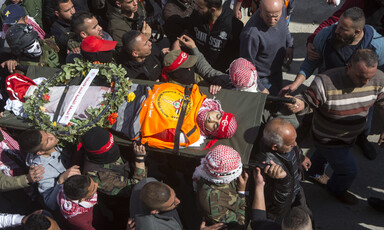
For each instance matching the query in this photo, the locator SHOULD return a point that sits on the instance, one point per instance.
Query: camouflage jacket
(220, 203)
(113, 178)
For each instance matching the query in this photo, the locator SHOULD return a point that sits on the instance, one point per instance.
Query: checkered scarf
(243, 74)
(71, 208)
(221, 166)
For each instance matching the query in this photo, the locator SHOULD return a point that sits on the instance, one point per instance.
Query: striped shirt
(341, 108)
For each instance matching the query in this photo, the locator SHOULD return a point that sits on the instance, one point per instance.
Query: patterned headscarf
(243, 74)
(70, 208)
(221, 166)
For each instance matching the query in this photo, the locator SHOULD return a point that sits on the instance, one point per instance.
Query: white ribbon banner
(76, 99)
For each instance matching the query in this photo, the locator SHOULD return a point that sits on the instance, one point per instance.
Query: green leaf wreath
(103, 116)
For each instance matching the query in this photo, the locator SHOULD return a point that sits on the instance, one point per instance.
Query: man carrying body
(267, 43)
(279, 145)
(41, 148)
(336, 45)
(340, 99)
(216, 32)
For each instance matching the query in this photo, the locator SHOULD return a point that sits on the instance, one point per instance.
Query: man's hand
(311, 53)
(275, 171)
(74, 170)
(35, 174)
(297, 107)
(146, 30)
(288, 89)
(131, 224)
(25, 218)
(241, 182)
(73, 46)
(139, 150)
(10, 64)
(237, 9)
(213, 89)
(306, 163)
(259, 179)
(165, 51)
(186, 41)
(212, 227)
(288, 56)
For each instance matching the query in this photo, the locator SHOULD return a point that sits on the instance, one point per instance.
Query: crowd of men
(99, 185)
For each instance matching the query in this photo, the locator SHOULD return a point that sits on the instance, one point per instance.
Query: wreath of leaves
(113, 74)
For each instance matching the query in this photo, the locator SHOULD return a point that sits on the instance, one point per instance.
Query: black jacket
(279, 192)
(220, 46)
(150, 69)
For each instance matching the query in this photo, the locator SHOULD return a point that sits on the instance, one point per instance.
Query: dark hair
(369, 57)
(77, 22)
(356, 15)
(214, 3)
(76, 187)
(154, 194)
(56, 4)
(37, 222)
(297, 218)
(30, 140)
(129, 40)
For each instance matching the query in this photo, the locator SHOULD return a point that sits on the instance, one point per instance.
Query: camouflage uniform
(113, 178)
(220, 203)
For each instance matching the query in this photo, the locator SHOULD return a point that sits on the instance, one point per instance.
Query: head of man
(84, 24)
(279, 135)
(37, 141)
(243, 75)
(128, 7)
(216, 124)
(40, 222)
(207, 8)
(79, 188)
(221, 165)
(349, 28)
(100, 147)
(271, 11)
(136, 45)
(297, 219)
(179, 67)
(96, 49)
(23, 41)
(13, 14)
(158, 197)
(362, 67)
(64, 10)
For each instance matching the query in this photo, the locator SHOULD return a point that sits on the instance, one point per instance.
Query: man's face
(92, 28)
(271, 13)
(67, 10)
(344, 33)
(129, 6)
(142, 46)
(360, 74)
(289, 140)
(48, 141)
(202, 9)
(16, 1)
(212, 120)
(91, 190)
(171, 203)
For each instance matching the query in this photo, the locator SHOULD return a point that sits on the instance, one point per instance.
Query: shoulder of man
(156, 222)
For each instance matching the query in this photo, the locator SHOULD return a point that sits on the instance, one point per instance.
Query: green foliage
(115, 74)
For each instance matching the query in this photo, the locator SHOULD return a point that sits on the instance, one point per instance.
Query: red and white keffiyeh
(221, 166)
(70, 208)
(243, 74)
